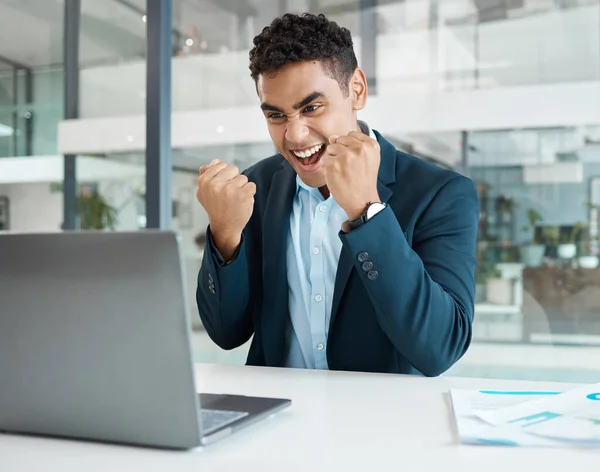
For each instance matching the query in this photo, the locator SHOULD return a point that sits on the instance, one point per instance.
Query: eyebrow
(301, 104)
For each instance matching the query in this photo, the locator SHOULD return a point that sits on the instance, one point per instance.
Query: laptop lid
(95, 338)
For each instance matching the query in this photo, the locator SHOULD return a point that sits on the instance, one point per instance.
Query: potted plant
(587, 251)
(484, 273)
(492, 286)
(504, 207)
(533, 252)
(94, 212)
(486, 267)
(586, 258)
(509, 266)
(567, 249)
(499, 290)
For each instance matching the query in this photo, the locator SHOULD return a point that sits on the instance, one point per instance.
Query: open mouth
(310, 156)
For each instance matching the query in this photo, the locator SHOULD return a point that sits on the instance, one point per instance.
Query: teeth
(308, 152)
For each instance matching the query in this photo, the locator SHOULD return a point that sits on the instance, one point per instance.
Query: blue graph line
(518, 392)
(496, 442)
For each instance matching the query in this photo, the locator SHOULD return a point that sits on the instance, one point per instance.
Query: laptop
(95, 343)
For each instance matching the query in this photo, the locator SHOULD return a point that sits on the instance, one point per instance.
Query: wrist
(225, 241)
(356, 209)
(370, 211)
(355, 212)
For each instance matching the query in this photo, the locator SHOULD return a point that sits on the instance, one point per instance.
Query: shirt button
(320, 346)
(318, 298)
(316, 250)
(363, 256)
(323, 208)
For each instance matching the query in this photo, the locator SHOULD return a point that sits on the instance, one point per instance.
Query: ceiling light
(189, 42)
(144, 18)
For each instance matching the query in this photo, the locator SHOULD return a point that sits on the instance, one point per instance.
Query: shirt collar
(300, 184)
(366, 129)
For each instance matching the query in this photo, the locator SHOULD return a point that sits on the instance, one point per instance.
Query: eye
(276, 117)
(311, 108)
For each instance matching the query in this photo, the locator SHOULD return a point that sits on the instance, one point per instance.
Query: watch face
(374, 208)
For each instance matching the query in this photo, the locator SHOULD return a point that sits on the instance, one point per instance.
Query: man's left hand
(351, 165)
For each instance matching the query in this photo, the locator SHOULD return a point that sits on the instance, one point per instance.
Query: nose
(296, 131)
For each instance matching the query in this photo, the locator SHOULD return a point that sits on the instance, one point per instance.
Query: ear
(358, 89)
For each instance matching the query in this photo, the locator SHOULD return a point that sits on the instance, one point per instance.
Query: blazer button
(367, 266)
(372, 275)
(363, 256)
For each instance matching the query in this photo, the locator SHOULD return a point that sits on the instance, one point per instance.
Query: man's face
(304, 107)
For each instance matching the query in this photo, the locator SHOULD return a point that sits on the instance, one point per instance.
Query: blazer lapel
(275, 226)
(386, 176)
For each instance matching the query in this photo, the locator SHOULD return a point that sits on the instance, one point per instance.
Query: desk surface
(338, 422)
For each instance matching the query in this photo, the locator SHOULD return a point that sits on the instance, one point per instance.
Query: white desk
(338, 422)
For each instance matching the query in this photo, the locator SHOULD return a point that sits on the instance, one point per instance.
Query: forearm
(223, 297)
(425, 308)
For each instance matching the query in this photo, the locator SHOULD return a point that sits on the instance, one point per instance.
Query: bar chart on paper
(529, 418)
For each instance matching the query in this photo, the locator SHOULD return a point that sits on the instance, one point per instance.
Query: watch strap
(350, 225)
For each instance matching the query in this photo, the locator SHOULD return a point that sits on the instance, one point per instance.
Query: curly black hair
(306, 37)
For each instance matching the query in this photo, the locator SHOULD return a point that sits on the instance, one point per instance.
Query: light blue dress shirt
(313, 252)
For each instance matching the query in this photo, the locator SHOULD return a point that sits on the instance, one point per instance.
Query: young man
(340, 252)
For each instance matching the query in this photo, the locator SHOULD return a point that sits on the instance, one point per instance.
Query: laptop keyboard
(215, 419)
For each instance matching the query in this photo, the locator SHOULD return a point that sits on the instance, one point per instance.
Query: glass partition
(537, 314)
(31, 106)
(8, 136)
(421, 46)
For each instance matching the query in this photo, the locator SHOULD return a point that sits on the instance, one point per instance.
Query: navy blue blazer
(415, 316)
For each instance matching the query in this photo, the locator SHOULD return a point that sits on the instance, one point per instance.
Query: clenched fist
(351, 165)
(228, 198)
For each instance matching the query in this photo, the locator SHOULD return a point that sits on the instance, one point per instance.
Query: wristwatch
(372, 209)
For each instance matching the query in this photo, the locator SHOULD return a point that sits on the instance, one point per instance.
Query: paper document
(571, 416)
(474, 430)
(528, 418)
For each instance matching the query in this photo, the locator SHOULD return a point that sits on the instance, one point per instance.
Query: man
(339, 252)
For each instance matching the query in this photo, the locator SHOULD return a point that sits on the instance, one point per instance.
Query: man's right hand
(228, 198)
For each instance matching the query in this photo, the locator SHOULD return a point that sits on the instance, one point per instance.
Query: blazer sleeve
(222, 296)
(424, 295)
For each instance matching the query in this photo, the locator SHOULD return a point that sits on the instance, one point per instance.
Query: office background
(504, 91)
